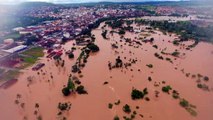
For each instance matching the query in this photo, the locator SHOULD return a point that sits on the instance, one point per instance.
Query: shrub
(62, 106)
(145, 91)
(93, 47)
(116, 118)
(71, 55)
(70, 84)
(104, 33)
(149, 78)
(132, 116)
(184, 103)
(147, 99)
(126, 108)
(66, 91)
(155, 46)
(80, 89)
(149, 65)
(176, 54)
(175, 42)
(166, 88)
(110, 105)
(121, 32)
(137, 94)
(199, 85)
(175, 94)
(73, 48)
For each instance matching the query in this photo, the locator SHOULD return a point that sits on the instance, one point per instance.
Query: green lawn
(34, 52)
(31, 56)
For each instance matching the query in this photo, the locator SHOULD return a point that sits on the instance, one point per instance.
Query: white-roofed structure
(8, 41)
(18, 28)
(16, 49)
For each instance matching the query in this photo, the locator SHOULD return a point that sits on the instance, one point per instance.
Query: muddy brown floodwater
(46, 91)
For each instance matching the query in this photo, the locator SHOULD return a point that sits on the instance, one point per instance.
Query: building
(16, 49)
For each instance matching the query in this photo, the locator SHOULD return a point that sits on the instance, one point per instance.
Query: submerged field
(158, 80)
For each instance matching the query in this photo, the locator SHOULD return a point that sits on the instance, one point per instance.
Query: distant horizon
(82, 1)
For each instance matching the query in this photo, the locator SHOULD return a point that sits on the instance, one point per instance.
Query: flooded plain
(42, 92)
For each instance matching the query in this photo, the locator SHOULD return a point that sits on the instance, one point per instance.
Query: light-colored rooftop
(15, 49)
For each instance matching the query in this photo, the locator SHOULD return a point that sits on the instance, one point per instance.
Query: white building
(16, 49)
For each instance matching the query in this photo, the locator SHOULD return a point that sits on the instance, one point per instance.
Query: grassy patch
(34, 52)
(31, 56)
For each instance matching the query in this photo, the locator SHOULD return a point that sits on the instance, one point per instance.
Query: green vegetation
(137, 94)
(64, 106)
(126, 108)
(66, 91)
(185, 29)
(190, 108)
(203, 87)
(70, 87)
(93, 47)
(34, 52)
(81, 90)
(29, 60)
(184, 103)
(70, 84)
(175, 94)
(166, 88)
(117, 23)
(175, 54)
(31, 56)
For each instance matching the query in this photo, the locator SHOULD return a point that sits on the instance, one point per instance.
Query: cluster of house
(168, 10)
(67, 24)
